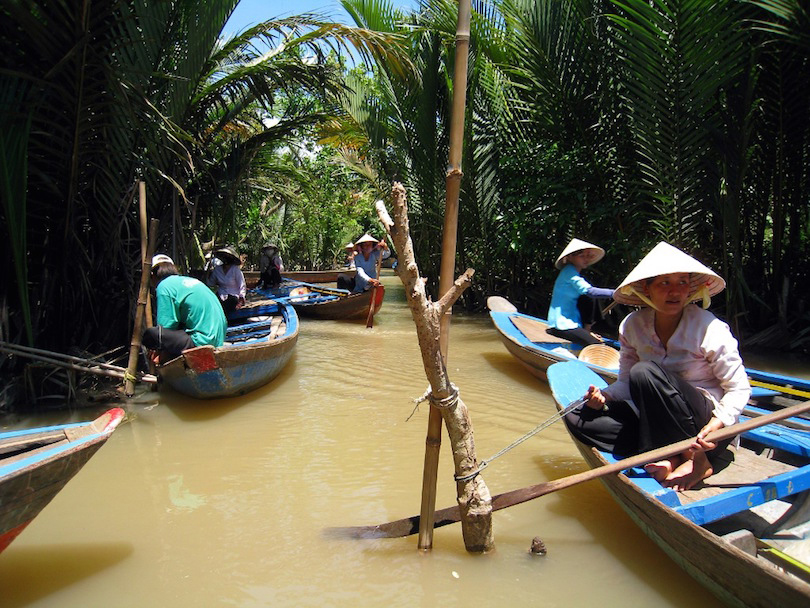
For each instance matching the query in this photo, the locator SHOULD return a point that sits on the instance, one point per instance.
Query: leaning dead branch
(473, 495)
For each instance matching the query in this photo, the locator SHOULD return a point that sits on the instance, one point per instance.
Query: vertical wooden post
(135, 343)
(144, 242)
(433, 441)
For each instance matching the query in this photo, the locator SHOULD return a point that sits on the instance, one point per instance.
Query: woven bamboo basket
(601, 355)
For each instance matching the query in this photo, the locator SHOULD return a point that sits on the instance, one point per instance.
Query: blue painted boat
(260, 340)
(744, 533)
(528, 340)
(35, 464)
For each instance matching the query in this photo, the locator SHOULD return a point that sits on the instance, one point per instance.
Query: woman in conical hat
(368, 251)
(228, 279)
(679, 364)
(573, 307)
(270, 267)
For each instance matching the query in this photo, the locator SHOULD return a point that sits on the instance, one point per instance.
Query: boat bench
(744, 497)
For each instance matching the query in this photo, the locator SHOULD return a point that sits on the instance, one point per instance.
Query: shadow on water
(593, 507)
(506, 364)
(32, 573)
(191, 409)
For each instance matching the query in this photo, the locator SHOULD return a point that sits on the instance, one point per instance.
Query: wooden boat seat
(277, 328)
(730, 491)
(535, 330)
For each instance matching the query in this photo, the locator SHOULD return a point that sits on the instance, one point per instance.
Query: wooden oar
(449, 515)
(370, 317)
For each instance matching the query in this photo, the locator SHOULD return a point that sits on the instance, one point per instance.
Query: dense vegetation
(621, 122)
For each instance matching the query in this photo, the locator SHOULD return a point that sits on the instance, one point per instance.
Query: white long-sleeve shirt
(702, 351)
(228, 283)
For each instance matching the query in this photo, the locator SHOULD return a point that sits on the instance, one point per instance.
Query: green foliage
(622, 122)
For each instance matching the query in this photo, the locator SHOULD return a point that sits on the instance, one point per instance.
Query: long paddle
(370, 317)
(449, 515)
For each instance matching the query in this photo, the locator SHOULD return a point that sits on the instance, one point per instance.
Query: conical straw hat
(366, 238)
(577, 245)
(228, 255)
(666, 259)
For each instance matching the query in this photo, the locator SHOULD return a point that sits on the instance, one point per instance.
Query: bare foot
(661, 469)
(689, 473)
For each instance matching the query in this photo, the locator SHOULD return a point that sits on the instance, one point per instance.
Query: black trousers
(669, 410)
(345, 281)
(168, 342)
(229, 304)
(578, 335)
(270, 278)
(589, 313)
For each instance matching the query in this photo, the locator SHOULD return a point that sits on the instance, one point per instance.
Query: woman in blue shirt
(570, 314)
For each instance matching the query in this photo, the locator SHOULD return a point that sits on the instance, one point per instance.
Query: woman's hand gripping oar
(449, 515)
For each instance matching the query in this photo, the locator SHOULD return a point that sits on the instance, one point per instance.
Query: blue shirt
(367, 268)
(563, 312)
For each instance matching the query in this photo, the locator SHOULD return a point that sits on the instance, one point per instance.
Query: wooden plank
(16, 443)
(535, 330)
(740, 499)
(783, 438)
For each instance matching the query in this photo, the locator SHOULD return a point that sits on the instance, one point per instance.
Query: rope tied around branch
(444, 403)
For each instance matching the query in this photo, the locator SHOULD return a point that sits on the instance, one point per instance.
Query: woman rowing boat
(680, 366)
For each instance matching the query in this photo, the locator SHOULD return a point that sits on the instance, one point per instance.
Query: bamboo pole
(473, 497)
(433, 440)
(135, 343)
(74, 363)
(144, 243)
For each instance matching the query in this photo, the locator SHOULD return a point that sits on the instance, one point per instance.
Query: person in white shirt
(680, 366)
(228, 280)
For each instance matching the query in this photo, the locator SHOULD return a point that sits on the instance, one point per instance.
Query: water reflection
(223, 503)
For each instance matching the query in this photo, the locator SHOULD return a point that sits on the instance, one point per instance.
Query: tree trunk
(473, 495)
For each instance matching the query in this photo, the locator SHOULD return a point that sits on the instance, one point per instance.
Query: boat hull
(733, 575)
(537, 356)
(352, 306)
(232, 370)
(30, 480)
(307, 276)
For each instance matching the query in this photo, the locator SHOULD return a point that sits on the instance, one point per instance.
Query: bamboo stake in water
(433, 440)
(135, 343)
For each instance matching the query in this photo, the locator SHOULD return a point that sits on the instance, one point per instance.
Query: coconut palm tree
(145, 90)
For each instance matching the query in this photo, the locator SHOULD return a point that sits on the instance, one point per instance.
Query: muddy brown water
(224, 503)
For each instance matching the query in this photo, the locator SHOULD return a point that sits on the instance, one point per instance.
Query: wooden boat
(260, 340)
(308, 276)
(528, 340)
(35, 464)
(316, 302)
(744, 532)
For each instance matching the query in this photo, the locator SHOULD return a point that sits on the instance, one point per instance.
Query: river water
(224, 503)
